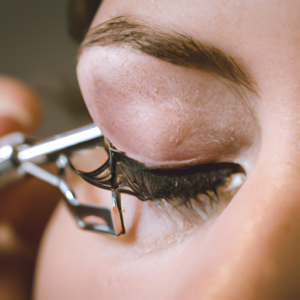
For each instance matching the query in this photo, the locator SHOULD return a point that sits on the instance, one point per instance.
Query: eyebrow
(170, 46)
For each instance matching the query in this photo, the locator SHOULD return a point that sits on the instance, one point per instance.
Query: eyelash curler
(21, 156)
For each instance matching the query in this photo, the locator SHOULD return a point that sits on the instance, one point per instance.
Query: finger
(20, 108)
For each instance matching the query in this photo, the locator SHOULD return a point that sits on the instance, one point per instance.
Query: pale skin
(251, 249)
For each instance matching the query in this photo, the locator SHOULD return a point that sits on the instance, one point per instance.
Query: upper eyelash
(179, 186)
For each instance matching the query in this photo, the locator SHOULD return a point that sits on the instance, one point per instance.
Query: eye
(202, 189)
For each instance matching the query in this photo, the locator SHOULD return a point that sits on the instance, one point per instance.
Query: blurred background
(36, 47)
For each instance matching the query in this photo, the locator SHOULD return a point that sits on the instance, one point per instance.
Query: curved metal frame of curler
(24, 158)
(112, 216)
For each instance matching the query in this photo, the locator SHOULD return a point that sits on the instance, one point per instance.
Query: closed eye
(178, 186)
(181, 187)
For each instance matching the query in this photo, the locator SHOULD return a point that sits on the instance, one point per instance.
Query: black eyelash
(179, 186)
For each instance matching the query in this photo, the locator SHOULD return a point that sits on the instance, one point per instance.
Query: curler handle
(9, 172)
(15, 149)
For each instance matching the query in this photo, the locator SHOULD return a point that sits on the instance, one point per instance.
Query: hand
(26, 207)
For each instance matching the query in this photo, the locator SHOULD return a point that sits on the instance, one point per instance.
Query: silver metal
(20, 157)
(81, 138)
(15, 148)
(9, 172)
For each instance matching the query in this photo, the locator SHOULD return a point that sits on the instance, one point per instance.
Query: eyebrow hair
(170, 46)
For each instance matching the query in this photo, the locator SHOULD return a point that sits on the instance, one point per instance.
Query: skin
(19, 104)
(251, 249)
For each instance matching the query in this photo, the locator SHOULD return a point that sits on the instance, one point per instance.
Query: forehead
(229, 17)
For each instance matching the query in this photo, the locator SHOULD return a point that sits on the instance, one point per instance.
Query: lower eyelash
(203, 206)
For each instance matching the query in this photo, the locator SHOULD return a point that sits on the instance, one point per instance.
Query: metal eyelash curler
(21, 156)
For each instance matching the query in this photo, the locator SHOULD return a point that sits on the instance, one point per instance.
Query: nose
(252, 251)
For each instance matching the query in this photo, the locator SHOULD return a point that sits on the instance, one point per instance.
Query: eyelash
(180, 187)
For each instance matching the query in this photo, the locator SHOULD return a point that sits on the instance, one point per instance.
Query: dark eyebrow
(170, 46)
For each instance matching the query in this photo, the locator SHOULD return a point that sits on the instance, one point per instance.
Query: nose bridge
(252, 250)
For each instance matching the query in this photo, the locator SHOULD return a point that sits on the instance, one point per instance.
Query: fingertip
(20, 107)
(8, 125)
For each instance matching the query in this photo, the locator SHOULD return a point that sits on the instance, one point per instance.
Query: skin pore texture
(162, 114)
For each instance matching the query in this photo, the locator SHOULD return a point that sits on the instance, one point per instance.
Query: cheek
(141, 263)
